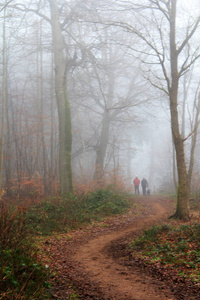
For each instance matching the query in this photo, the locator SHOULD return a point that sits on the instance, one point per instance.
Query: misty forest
(93, 93)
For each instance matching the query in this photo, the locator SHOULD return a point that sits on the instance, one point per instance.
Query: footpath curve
(118, 281)
(85, 258)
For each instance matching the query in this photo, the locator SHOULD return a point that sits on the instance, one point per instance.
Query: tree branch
(5, 5)
(188, 36)
(23, 8)
(191, 133)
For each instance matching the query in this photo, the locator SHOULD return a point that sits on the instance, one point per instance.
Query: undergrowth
(22, 275)
(70, 212)
(176, 247)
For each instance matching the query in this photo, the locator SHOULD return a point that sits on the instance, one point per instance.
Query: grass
(22, 275)
(176, 247)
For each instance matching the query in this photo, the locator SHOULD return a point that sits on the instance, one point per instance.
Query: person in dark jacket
(144, 184)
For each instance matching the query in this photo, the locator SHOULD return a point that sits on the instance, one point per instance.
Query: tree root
(176, 216)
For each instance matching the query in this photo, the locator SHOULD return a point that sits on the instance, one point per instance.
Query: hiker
(136, 182)
(144, 184)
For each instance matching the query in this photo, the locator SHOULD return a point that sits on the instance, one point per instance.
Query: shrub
(21, 274)
(71, 211)
(105, 202)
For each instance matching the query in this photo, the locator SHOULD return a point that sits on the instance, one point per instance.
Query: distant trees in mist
(82, 78)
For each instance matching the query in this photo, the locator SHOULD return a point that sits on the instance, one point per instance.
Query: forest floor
(95, 262)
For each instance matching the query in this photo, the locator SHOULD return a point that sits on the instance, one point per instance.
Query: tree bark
(64, 113)
(101, 150)
(3, 105)
(193, 142)
(42, 129)
(51, 177)
(182, 211)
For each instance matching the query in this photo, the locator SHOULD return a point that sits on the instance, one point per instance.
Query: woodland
(94, 93)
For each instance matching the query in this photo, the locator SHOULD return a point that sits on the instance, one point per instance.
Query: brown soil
(95, 261)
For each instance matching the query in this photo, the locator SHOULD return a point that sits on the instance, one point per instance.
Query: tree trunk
(174, 166)
(64, 114)
(51, 177)
(182, 211)
(37, 110)
(101, 150)
(45, 182)
(193, 142)
(3, 105)
(7, 163)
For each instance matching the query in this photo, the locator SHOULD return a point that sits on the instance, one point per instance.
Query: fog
(117, 64)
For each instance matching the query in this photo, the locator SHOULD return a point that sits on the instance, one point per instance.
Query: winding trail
(118, 281)
(86, 257)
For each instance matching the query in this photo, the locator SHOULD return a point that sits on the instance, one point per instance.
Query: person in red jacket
(136, 182)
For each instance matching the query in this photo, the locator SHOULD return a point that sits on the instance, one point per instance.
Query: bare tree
(64, 114)
(65, 134)
(167, 51)
(3, 102)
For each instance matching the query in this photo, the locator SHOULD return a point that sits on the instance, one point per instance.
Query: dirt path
(88, 259)
(118, 281)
